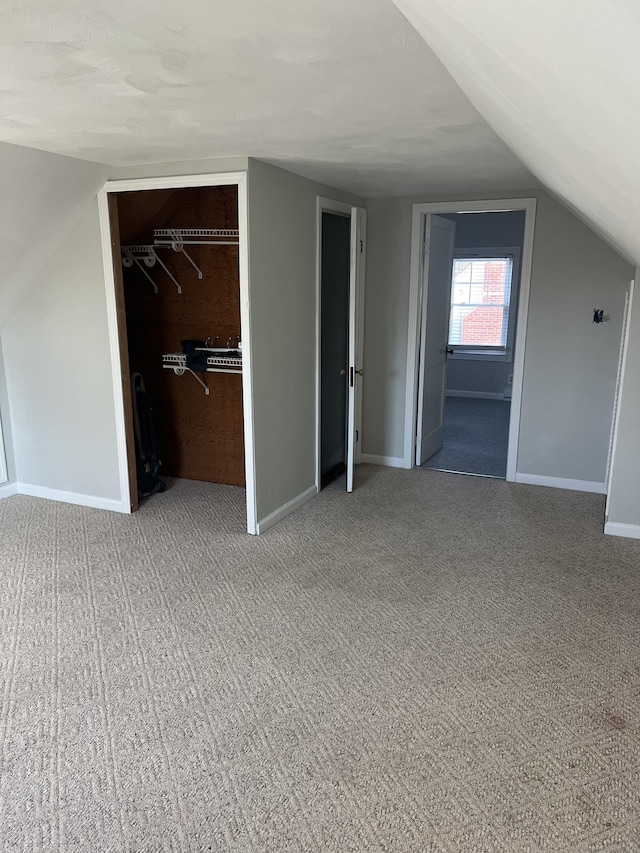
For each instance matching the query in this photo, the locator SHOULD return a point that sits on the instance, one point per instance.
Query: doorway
(340, 345)
(334, 344)
(184, 281)
(470, 276)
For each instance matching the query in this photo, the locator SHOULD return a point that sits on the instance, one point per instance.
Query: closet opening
(334, 344)
(176, 254)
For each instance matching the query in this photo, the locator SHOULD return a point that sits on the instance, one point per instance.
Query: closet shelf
(178, 237)
(177, 362)
(145, 255)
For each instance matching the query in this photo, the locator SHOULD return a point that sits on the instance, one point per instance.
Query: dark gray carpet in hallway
(476, 435)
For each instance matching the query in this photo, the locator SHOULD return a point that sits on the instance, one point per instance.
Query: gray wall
(282, 252)
(485, 231)
(479, 230)
(58, 373)
(5, 421)
(570, 363)
(624, 487)
(213, 165)
(43, 196)
(386, 316)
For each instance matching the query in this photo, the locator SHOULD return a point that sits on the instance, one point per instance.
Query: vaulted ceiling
(344, 92)
(461, 97)
(560, 83)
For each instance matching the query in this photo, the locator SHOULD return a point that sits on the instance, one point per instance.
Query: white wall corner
(388, 461)
(73, 498)
(286, 509)
(561, 483)
(8, 490)
(629, 531)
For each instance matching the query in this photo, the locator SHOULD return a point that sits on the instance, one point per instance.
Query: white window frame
(467, 353)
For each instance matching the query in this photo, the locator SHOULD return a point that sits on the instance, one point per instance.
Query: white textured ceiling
(343, 92)
(560, 83)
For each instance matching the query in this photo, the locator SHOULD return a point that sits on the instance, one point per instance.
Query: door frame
(4, 472)
(502, 205)
(117, 328)
(444, 225)
(357, 215)
(615, 418)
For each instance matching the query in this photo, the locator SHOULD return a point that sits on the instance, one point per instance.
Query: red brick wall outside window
(480, 302)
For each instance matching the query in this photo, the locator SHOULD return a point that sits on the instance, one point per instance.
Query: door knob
(449, 351)
(360, 372)
(343, 372)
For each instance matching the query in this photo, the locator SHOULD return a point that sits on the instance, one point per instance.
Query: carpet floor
(434, 663)
(476, 437)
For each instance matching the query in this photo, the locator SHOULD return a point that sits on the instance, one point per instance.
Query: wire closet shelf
(196, 237)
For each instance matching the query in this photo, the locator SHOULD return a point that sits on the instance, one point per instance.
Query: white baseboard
(389, 461)
(286, 509)
(561, 483)
(8, 490)
(477, 395)
(615, 528)
(72, 498)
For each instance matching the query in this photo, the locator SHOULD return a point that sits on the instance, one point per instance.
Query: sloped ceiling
(560, 83)
(343, 92)
(43, 196)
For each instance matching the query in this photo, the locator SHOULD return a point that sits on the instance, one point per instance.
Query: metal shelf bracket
(148, 256)
(179, 371)
(176, 243)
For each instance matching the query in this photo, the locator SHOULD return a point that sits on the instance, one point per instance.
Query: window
(480, 318)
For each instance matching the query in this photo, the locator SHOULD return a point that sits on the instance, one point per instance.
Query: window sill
(481, 355)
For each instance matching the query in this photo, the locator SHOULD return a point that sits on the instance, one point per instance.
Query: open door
(341, 254)
(123, 344)
(356, 339)
(438, 245)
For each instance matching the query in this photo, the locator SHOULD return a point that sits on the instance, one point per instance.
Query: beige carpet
(435, 663)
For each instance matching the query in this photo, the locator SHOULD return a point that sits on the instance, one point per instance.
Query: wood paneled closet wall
(200, 437)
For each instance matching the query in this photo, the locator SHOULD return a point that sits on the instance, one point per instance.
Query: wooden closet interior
(200, 435)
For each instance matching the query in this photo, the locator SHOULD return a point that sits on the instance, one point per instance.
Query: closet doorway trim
(238, 179)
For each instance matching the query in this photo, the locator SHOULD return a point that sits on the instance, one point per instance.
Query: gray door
(334, 344)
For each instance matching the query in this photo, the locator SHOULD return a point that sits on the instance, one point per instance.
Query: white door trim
(357, 214)
(622, 364)
(361, 235)
(528, 205)
(177, 182)
(4, 474)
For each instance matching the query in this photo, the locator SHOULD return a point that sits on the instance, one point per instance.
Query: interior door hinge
(361, 246)
(425, 247)
(418, 440)
(357, 435)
